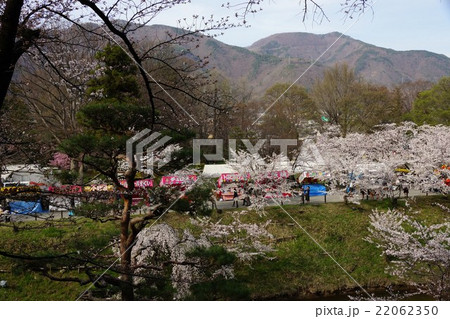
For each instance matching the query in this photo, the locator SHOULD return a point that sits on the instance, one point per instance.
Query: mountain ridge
(375, 64)
(291, 57)
(284, 57)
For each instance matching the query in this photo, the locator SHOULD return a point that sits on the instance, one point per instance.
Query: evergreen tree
(112, 117)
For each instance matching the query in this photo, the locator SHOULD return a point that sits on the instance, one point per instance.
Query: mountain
(286, 57)
(258, 71)
(375, 64)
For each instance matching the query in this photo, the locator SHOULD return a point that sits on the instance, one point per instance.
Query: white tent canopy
(24, 173)
(215, 170)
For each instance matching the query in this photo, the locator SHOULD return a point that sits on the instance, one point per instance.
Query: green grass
(297, 267)
(302, 266)
(44, 239)
(24, 285)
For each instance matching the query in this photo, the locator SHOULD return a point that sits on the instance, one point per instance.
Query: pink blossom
(61, 161)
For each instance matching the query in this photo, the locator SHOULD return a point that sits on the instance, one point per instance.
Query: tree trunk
(81, 172)
(9, 53)
(72, 165)
(125, 251)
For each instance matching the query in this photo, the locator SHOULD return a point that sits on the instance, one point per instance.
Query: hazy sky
(395, 24)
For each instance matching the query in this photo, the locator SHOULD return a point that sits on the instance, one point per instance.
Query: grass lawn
(298, 265)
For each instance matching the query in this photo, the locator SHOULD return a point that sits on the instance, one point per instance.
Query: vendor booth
(102, 191)
(140, 194)
(65, 189)
(268, 184)
(25, 199)
(227, 182)
(215, 170)
(178, 180)
(310, 182)
(272, 184)
(232, 178)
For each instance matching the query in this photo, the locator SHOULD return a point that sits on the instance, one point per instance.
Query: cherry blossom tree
(60, 160)
(53, 87)
(417, 252)
(372, 161)
(247, 246)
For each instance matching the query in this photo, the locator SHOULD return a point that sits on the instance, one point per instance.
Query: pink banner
(232, 178)
(66, 189)
(177, 180)
(142, 183)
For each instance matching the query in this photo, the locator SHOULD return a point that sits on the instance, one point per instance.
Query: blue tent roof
(22, 207)
(315, 189)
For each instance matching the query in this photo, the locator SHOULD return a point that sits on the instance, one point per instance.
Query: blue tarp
(315, 189)
(21, 207)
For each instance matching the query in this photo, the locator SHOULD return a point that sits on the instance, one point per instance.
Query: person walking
(308, 189)
(363, 193)
(235, 198)
(213, 200)
(406, 191)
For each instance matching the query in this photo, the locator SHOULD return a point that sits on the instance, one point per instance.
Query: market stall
(215, 170)
(232, 178)
(311, 184)
(139, 193)
(315, 189)
(27, 207)
(65, 189)
(178, 180)
(227, 182)
(445, 174)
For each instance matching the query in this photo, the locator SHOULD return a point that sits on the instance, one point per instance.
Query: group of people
(236, 196)
(245, 194)
(245, 197)
(372, 194)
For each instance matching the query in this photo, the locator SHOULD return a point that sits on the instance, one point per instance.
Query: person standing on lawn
(235, 198)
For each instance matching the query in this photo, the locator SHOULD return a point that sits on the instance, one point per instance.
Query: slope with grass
(298, 267)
